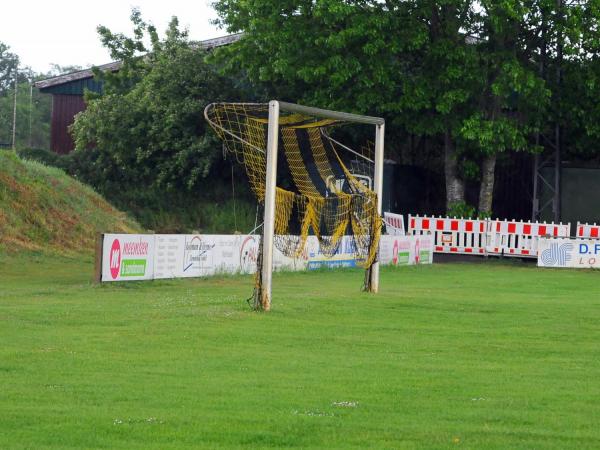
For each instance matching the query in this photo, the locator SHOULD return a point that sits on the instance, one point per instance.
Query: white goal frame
(271, 180)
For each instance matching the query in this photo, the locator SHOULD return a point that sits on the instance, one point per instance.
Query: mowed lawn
(447, 356)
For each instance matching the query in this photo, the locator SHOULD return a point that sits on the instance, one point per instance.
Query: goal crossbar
(328, 114)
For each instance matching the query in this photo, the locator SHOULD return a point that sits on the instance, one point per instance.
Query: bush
(45, 157)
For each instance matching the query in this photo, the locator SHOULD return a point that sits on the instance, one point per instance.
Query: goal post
(275, 107)
(269, 218)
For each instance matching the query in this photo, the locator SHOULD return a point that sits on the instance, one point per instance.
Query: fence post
(98, 258)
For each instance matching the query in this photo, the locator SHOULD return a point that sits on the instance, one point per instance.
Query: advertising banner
(569, 253)
(128, 257)
(343, 257)
(198, 255)
(163, 256)
(405, 250)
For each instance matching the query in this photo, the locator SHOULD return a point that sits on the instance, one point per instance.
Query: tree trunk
(455, 187)
(486, 192)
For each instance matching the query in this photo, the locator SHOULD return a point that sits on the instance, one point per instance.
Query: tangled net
(317, 191)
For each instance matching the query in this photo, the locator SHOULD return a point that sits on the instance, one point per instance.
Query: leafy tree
(8, 65)
(511, 96)
(33, 109)
(576, 82)
(147, 127)
(406, 60)
(464, 72)
(33, 117)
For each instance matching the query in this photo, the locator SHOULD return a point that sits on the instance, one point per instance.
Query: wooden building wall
(64, 109)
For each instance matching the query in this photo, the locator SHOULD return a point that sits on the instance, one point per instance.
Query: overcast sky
(64, 31)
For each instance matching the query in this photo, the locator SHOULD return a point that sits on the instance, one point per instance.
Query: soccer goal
(307, 181)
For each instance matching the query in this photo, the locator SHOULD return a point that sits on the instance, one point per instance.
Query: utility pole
(14, 130)
(30, 105)
(548, 165)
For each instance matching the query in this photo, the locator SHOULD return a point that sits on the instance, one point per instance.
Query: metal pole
(328, 114)
(557, 173)
(557, 131)
(535, 204)
(30, 106)
(14, 130)
(270, 191)
(378, 187)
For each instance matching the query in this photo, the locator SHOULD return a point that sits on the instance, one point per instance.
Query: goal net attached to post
(307, 181)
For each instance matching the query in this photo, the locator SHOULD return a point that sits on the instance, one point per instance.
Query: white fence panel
(451, 235)
(394, 224)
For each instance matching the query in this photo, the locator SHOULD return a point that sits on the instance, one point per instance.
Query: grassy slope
(448, 356)
(41, 208)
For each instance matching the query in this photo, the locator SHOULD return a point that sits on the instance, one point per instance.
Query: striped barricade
(587, 231)
(394, 224)
(460, 236)
(516, 238)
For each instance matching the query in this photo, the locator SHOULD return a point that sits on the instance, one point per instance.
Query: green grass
(448, 356)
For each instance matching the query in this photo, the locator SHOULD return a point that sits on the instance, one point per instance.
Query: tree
(406, 60)
(147, 126)
(33, 117)
(33, 109)
(511, 95)
(9, 62)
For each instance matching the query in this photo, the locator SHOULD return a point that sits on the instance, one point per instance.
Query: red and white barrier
(587, 231)
(486, 236)
(461, 236)
(516, 238)
(394, 224)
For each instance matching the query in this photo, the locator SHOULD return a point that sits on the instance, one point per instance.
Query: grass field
(449, 356)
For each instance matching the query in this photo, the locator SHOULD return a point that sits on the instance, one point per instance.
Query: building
(67, 95)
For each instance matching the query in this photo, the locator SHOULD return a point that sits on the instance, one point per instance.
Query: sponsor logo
(196, 254)
(586, 249)
(133, 267)
(135, 248)
(120, 266)
(395, 253)
(333, 264)
(115, 259)
(248, 254)
(557, 255)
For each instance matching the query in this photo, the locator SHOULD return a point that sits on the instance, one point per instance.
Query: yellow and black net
(323, 187)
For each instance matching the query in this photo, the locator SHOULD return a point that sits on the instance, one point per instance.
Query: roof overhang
(115, 66)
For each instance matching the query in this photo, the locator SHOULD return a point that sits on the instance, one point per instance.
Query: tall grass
(42, 208)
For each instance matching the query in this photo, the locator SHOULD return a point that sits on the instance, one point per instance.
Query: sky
(63, 32)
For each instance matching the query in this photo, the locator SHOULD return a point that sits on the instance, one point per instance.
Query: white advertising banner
(405, 250)
(162, 256)
(569, 253)
(198, 255)
(128, 257)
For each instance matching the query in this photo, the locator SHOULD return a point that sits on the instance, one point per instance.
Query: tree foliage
(147, 127)
(8, 66)
(466, 73)
(33, 108)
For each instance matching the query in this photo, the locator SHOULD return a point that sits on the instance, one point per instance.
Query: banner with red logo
(162, 256)
(128, 257)
(405, 250)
